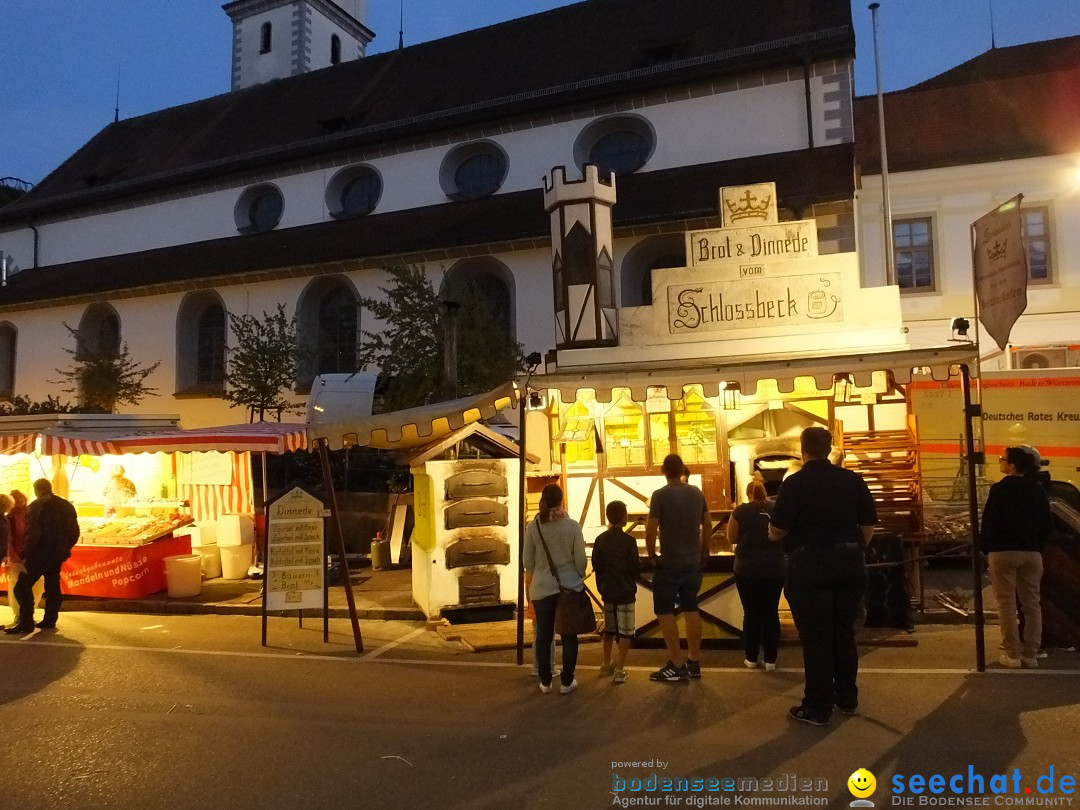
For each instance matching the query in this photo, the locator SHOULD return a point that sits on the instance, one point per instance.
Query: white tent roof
(716, 374)
(412, 427)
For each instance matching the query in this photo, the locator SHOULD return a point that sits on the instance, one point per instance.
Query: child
(615, 561)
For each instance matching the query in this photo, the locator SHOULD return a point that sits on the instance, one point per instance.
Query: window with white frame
(913, 253)
(1035, 230)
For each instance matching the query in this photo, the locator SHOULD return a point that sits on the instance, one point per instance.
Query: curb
(178, 608)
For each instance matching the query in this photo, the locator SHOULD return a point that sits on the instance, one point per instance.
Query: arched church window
(335, 49)
(265, 33)
(201, 330)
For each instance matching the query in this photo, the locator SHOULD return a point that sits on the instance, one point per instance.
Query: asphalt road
(136, 711)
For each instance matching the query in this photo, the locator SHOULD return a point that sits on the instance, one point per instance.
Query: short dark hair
(1021, 459)
(816, 442)
(616, 513)
(673, 466)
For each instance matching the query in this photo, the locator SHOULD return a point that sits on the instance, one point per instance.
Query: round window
(354, 192)
(361, 194)
(621, 144)
(473, 170)
(622, 152)
(479, 175)
(259, 209)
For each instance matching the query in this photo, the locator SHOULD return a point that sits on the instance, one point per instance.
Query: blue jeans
(824, 587)
(545, 634)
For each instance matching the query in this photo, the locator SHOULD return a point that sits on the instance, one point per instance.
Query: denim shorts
(676, 585)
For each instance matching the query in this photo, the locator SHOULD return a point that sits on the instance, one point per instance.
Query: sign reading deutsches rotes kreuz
(767, 301)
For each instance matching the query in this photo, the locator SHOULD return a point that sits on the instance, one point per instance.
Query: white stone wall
(255, 67)
(955, 197)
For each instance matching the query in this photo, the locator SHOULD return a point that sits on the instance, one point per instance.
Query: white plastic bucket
(183, 575)
(235, 530)
(235, 560)
(211, 559)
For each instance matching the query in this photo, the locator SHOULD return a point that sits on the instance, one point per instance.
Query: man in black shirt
(825, 515)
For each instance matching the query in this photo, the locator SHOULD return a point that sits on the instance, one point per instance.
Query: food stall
(764, 332)
(134, 481)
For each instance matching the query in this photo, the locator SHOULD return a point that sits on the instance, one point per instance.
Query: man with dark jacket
(52, 529)
(825, 515)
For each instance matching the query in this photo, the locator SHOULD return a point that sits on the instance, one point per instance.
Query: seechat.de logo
(861, 785)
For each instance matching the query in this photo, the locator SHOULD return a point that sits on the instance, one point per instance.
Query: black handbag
(573, 612)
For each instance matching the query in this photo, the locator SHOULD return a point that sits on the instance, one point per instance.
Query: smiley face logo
(861, 783)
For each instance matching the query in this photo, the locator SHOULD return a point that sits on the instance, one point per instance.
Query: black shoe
(43, 625)
(848, 709)
(693, 669)
(669, 673)
(19, 630)
(800, 714)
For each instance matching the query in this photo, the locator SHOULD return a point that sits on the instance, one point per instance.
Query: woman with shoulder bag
(554, 560)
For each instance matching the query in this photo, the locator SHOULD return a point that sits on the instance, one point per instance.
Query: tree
(20, 405)
(104, 379)
(264, 362)
(408, 351)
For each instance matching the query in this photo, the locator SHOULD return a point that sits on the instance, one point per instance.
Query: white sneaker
(769, 667)
(545, 689)
(1029, 663)
(750, 664)
(566, 690)
(1009, 662)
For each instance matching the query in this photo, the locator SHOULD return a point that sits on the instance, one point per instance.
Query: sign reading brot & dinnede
(295, 559)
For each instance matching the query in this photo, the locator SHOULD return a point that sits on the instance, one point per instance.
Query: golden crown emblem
(748, 207)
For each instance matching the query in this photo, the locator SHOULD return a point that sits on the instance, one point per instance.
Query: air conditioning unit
(1035, 357)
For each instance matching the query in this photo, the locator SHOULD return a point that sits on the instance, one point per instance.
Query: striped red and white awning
(49, 443)
(256, 437)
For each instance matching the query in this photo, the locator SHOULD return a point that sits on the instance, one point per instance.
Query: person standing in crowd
(16, 520)
(616, 563)
(759, 576)
(825, 515)
(1016, 523)
(679, 513)
(52, 529)
(554, 557)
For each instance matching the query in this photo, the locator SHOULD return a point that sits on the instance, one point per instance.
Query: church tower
(273, 39)
(581, 259)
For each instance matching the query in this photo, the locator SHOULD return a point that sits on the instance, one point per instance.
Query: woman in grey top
(566, 545)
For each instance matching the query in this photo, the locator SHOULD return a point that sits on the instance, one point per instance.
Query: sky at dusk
(59, 63)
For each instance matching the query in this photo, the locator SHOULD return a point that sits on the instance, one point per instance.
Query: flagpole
(886, 204)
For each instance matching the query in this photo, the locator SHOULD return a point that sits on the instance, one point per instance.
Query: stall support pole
(522, 399)
(335, 521)
(972, 412)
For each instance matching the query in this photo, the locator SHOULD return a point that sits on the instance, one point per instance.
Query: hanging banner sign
(295, 556)
(755, 303)
(1001, 271)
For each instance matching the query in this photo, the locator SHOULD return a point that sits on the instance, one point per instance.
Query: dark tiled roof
(575, 54)
(1007, 104)
(809, 176)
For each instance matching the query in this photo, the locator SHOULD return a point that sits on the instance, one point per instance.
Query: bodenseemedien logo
(861, 785)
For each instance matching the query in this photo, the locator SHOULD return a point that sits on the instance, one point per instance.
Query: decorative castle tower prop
(581, 263)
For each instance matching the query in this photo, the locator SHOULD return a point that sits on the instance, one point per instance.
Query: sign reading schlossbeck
(757, 302)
